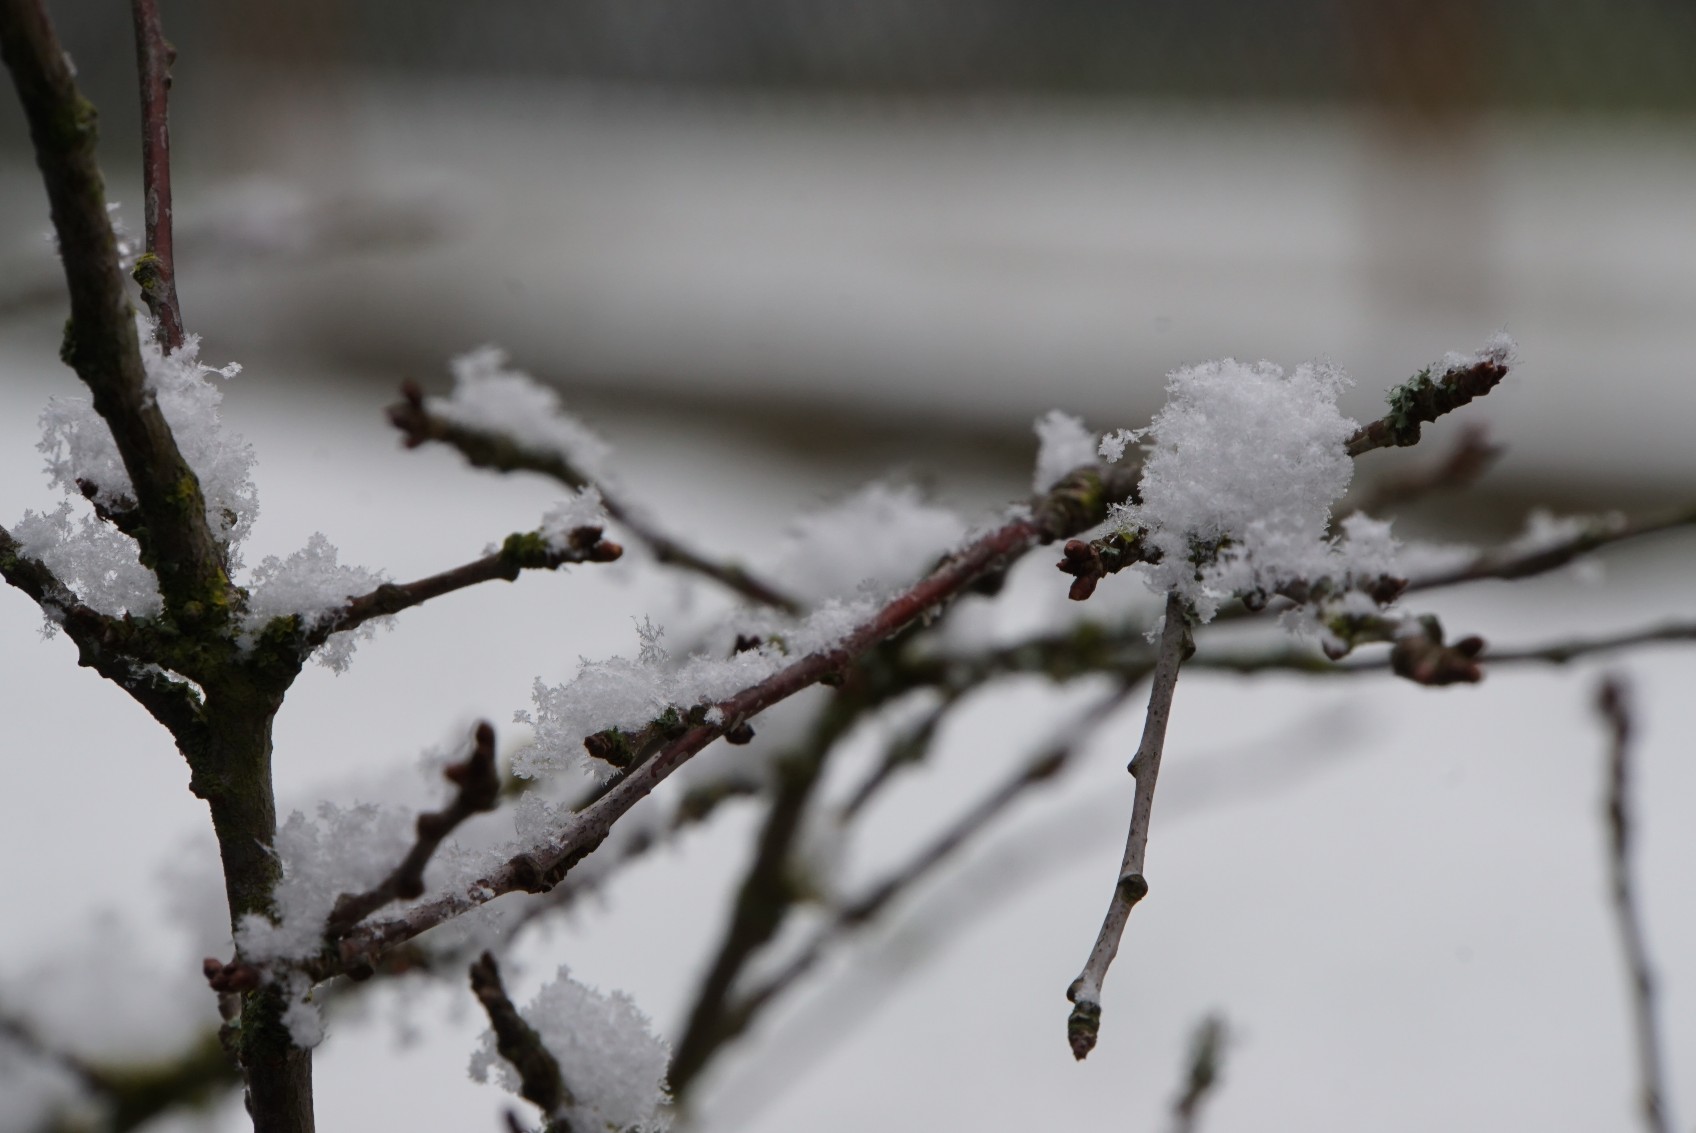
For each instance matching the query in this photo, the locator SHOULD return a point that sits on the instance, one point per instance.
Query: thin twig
(485, 449)
(517, 554)
(156, 270)
(1424, 399)
(479, 790)
(1201, 1078)
(538, 1071)
(1613, 704)
(1084, 1023)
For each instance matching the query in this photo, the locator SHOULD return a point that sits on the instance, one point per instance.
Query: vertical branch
(156, 270)
(1085, 992)
(1201, 1078)
(1614, 706)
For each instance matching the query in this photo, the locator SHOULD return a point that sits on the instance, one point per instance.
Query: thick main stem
(233, 775)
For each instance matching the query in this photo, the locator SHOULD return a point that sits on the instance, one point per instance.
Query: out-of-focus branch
(100, 343)
(1613, 704)
(1301, 659)
(519, 553)
(479, 790)
(538, 1071)
(1201, 1078)
(1084, 1024)
(134, 1094)
(1424, 399)
(1515, 560)
(859, 913)
(1470, 457)
(155, 271)
(1068, 509)
(484, 449)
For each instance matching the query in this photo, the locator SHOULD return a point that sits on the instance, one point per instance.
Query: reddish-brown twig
(479, 790)
(155, 271)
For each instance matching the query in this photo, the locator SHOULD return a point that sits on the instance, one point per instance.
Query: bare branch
(1207, 1056)
(483, 449)
(1424, 399)
(1612, 703)
(519, 553)
(1085, 991)
(100, 343)
(479, 790)
(155, 271)
(518, 1043)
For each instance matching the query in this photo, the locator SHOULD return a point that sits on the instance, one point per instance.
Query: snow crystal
(584, 508)
(1062, 445)
(1238, 488)
(314, 585)
(609, 1058)
(882, 535)
(1114, 444)
(490, 396)
(628, 694)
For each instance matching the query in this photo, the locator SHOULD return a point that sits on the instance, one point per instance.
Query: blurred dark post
(1420, 69)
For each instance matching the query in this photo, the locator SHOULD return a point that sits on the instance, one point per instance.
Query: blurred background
(775, 249)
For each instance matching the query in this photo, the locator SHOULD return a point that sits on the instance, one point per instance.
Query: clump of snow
(490, 396)
(1237, 490)
(628, 693)
(882, 535)
(100, 564)
(345, 850)
(1063, 443)
(583, 508)
(79, 446)
(315, 585)
(609, 1058)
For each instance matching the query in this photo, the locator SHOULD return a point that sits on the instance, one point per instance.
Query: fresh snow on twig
(490, 396)
(608, 1056)
(314, 585)
(1237, 490)
(881, 536)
